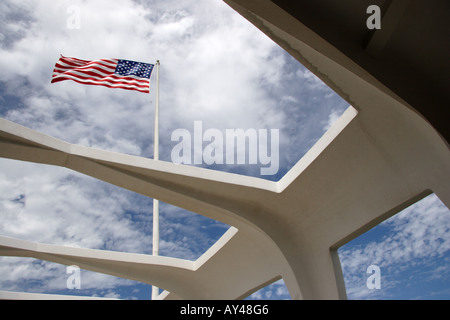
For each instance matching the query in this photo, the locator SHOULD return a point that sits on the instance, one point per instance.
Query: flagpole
(155, 290)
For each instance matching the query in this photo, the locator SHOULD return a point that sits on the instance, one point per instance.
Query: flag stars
(139, 69)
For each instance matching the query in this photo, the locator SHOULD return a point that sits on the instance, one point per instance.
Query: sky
(216, 68)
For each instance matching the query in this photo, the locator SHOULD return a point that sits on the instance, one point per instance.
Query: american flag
(111, 73)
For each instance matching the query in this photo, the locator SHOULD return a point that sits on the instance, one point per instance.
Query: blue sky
(216, 68)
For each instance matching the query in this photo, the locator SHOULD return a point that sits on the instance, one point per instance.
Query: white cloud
(212, 66)
(333, 116)
(61, 207)
(409, 241)
(274, 291)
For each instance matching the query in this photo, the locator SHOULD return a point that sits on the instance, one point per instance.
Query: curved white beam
(199, 277)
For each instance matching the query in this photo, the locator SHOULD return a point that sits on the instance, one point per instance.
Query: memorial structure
(388, 150)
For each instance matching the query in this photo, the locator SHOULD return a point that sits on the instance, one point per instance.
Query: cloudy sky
(215, 68)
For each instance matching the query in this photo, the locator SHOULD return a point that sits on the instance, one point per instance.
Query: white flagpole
(155, 290)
